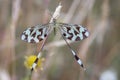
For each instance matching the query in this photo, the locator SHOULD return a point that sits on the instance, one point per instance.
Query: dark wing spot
(77, 39)
(64, 34)
(31, 30)
(32, 41)
(77, 27)
(76, 57)
(84, 36)
(68, 28)
(32, 69)
(26, 36)
(71, 36)
(45, 35)
(39, 37)
(41, 30)
(76, 32)
(34, 34)
(82, 65)
(36, 60)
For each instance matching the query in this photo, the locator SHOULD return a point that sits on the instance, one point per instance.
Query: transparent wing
(35, 34)
(73, 32)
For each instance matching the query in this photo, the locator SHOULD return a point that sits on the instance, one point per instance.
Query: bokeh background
(100, 52)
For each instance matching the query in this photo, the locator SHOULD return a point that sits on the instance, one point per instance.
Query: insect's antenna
(74, 54)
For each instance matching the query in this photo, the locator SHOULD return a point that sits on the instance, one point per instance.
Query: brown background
(100, 52)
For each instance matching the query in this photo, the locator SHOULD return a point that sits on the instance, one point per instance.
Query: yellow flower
(29, 60)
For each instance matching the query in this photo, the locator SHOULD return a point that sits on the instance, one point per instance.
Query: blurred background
(100, 52)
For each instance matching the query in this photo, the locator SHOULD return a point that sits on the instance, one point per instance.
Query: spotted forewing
(73, 32)
(35, 34)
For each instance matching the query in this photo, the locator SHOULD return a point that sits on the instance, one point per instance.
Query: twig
(101, 28)
(14, 19)
(71, 11)
(56, 13)
(86, 8)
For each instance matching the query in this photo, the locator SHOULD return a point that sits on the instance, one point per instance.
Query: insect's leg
(74, 54)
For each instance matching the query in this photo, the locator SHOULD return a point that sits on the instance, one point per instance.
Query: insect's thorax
(54, 25)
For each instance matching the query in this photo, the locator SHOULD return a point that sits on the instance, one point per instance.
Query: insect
(73, 32)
